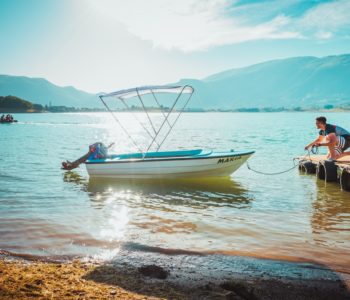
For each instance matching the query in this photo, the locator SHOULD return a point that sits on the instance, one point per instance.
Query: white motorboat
(162, 164)
(192, 163)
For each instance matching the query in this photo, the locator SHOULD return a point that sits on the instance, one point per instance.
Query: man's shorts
(343, 143)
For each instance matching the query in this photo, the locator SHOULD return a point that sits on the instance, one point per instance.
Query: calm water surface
(45, 211)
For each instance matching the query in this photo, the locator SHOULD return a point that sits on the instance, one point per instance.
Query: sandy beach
(21, 279)
(140, 275)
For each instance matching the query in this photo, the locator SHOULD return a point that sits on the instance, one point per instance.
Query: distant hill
(43, 92)
(301, 81)
(11, 104)
(307, 82)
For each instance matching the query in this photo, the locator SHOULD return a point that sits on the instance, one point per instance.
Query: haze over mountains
(41, 91)
(293, 82)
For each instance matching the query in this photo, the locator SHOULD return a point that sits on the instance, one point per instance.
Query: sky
(106, 45)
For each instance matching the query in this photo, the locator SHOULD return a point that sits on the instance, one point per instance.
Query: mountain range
(293, 82)
(41, 91)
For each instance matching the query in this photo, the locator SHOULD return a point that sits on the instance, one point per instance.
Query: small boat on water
(156, 164)
(167, 164)
(8, 119)
(8, 122)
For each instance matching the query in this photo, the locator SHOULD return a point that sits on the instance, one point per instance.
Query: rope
(314, 149)
(274, 173)
(307, 156)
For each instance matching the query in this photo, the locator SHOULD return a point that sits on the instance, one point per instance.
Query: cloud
(326, 20)
(192, 25)
(323, 35)
(189, 25)
(331, 15)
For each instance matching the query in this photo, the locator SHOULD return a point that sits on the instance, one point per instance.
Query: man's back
(339, 131)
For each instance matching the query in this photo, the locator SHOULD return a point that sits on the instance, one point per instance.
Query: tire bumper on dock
(329, 171)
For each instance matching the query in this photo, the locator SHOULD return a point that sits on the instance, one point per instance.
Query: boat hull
(8, 122)
(210, 165)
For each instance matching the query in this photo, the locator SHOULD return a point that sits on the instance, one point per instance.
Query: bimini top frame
(138, 92)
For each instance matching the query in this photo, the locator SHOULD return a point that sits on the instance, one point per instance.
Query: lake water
(46, 211)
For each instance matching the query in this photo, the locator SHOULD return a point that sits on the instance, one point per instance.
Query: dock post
(327, 170)
(345, 180)
(307, 166)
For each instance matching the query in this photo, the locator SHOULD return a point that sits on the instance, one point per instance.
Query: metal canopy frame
(138, 92)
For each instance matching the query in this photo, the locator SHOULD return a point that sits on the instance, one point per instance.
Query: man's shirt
(339, 131)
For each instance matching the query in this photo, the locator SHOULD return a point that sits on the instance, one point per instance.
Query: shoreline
(259, 111)
(151, 275)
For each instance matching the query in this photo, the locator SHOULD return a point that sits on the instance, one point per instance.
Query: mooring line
(281, 172)
(275, 173)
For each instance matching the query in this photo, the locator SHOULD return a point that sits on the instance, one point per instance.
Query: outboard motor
(96, 151)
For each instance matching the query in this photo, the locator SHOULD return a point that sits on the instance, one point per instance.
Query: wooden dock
(337, 171)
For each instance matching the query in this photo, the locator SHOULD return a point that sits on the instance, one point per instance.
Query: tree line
(13, 104)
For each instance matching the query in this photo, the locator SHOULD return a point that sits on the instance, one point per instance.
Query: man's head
(321, 122)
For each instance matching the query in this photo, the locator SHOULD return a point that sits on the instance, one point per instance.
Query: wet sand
(152, 275)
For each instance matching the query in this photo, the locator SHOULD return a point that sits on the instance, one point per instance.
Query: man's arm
(324, 144)
(317, 141)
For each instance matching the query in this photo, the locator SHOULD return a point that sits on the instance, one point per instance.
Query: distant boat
(161, 164)
(8, 122)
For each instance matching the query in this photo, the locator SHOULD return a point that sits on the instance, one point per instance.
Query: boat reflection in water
(179, 214)
(202, 192)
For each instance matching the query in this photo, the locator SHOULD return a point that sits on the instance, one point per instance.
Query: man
(96, 151)
(337, 139)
